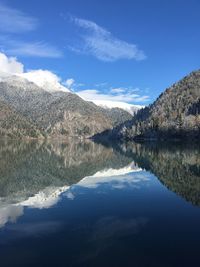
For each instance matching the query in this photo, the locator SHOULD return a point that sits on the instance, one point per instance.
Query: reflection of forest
(176, 165)
(28, 167)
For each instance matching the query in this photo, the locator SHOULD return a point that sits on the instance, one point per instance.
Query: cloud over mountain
(10, 64)
(43, 78)
(114, 97)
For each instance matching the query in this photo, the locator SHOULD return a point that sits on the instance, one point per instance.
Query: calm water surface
(83, 204)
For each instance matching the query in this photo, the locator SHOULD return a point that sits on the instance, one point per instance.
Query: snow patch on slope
(45, 79)
(107, 104)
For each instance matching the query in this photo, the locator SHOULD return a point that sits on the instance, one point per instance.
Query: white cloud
(51, 82)
(101, 84)
(45, 79)
(38, 49)
(15, 21)
(93, 95)
(99, 42)
(118, 90)
(10, 64)
(115, 178)
(10, 213)
(69, 82)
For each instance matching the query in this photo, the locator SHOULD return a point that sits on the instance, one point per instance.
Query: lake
(85, 204)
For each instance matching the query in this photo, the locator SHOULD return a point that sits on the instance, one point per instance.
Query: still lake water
(83, 204)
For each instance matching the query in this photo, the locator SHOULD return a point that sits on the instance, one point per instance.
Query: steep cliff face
(175, 114)
(55, 112)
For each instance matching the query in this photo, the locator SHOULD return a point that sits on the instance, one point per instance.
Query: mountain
(130, 108)
(116, 115)
(14, 125)
(45, 79)
(175, 114)
(55, 112)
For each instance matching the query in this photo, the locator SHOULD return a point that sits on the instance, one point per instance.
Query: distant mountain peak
(45, 79)
(108, 104)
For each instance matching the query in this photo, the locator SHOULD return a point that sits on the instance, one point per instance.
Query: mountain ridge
(56, 113)
(175, 114)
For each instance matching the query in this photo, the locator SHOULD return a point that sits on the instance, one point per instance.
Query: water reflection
(35, 174)
(27, 168)
(176, 165)
(106, 233)
(84, 204)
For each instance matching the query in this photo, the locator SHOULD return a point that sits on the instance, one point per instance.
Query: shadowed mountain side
(29, 167)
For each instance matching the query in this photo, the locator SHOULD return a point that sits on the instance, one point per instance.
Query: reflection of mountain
(34, 174)
(115, 178)
(27, 168)
(176, 166)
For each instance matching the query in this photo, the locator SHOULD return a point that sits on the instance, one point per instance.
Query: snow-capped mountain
(45, 79)
(51, 83)
(40, 98)
(132, 109)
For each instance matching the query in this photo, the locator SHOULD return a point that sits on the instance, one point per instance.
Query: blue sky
(126, 49)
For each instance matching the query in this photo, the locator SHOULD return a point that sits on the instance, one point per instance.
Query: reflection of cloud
(42, 200)
(111, 226)
(115, 178)
(28, 229)
(117, 172)
(31, 229)
(10, 213)
(129, 176)
(45, 199)
(69, 195)
(108, 232)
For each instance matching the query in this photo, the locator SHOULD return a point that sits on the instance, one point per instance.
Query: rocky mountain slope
(14, 125)
(175, 114)
(55, 112)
